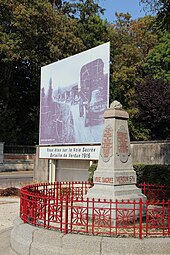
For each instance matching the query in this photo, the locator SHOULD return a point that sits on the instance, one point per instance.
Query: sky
(131, 6)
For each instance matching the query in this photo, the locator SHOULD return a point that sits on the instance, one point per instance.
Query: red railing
(64, 207)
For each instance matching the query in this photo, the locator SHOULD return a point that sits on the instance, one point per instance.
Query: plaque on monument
(123, 149)
(107, 144)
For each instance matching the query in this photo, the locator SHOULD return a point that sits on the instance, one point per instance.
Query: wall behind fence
(1, 153)
(151, 152)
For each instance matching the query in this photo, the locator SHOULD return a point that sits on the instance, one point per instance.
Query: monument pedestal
(124, 192)
(115, 177)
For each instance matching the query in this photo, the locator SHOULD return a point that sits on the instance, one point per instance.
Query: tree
(131, 40)
(32, 34)
(153, 102)
(84, 9)
(162, 8)
(91, 28)
(56, 3)
(157, 62)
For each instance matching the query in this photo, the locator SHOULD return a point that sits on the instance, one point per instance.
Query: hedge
(153, 174)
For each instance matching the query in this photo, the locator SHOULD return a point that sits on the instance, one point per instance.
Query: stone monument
(115, 177)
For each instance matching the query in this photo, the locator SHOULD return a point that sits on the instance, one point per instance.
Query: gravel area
(9, 210)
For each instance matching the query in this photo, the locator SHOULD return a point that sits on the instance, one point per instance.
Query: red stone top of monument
(116, 111)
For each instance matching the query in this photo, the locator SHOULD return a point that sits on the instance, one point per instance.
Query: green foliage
(138, 131)
(91, 28)
(162, 9)
(91, 170)
(131, 41)
(32, 34)
(84, 9)
(92, 31)
(153, 174)
(158, 60)
(38, 32)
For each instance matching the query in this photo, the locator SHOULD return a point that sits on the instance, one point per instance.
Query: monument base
(115, 192)
(119, 200)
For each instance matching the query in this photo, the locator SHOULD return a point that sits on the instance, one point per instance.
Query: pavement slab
(9, 210)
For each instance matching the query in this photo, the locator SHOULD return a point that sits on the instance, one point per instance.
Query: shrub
(154, 174)
(91, 170)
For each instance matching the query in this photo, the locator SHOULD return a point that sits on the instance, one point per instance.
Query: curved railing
(63, 206)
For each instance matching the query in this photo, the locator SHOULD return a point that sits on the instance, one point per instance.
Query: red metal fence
(64, 207)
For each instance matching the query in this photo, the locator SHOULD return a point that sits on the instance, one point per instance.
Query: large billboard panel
(74, 97)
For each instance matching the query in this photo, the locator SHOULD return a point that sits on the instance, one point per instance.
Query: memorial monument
(115, 177)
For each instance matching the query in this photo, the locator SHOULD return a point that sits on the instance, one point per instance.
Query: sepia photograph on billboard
(73, 98)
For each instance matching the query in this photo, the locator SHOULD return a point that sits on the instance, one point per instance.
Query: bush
(154, 174)
(91, 170)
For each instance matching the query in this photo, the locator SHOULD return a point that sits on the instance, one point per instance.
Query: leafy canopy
(158, 60)
(162, 9)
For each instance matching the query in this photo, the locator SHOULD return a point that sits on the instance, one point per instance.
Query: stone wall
(17, 162)
(151, 152)
(1, 153)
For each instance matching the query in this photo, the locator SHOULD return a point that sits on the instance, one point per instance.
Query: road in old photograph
(82, 132)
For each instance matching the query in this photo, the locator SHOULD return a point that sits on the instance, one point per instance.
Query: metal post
(140, 217)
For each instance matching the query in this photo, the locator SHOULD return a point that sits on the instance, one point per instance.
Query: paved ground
(5, 242)
(9, 210)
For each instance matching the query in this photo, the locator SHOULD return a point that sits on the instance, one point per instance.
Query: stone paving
(9, 210)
